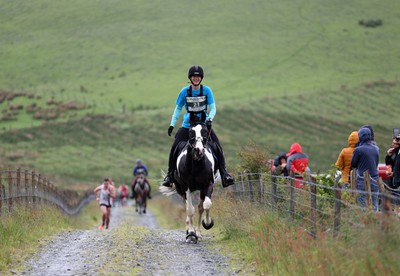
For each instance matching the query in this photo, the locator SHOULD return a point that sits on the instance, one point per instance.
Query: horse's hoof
(144, 211)
(207, 227)
(191, 237)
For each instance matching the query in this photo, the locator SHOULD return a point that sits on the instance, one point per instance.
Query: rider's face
(195, 80)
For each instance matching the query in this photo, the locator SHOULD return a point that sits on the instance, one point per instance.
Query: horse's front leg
(208, 223)
(201, 211)
(190, 231)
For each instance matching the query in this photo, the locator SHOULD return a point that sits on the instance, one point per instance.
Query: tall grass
(24, 230)
(280, 248)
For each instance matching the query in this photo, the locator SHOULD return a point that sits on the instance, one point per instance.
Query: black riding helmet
(196, 71)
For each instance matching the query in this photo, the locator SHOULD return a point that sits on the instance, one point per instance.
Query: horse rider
(140, 168)
(196, 98)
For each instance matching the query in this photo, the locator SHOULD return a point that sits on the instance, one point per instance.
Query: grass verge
(23, 231)
(274, 246)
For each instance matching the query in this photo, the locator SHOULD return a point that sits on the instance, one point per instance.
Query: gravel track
(133, 245)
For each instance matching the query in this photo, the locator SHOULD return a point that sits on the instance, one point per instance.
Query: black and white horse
(196, 171)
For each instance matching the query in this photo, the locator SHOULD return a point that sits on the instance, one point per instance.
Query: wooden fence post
(367, 182)
(10, 191)
(260, 178)
(291, 203)
(26, 182)
(386, 206)
(39, 189)
(353, 182)
(337, 216)
(313, 207)
(34, 188)
(19, 199)
(242, 185)
(251, 193)
(273, 191)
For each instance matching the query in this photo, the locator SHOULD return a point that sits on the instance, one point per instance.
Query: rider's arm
(176, 114)
(213, 110)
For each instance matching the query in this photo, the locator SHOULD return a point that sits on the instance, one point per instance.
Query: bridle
(204, 140)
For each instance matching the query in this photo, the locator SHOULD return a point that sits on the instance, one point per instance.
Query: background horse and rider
(196, 170)
(141, 192)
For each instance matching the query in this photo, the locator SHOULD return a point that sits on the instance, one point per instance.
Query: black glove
(170, 130)
(209, 124)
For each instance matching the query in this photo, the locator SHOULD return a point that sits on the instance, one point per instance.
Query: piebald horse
(196, 171)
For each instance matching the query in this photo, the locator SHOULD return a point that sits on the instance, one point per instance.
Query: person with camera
(196, 99)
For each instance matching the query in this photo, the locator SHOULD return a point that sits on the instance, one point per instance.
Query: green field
(281, 71)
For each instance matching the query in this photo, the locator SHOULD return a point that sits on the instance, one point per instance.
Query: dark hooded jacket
(396, 173)
(366, 155)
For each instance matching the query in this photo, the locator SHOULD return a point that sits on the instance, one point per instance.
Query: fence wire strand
(315, 204)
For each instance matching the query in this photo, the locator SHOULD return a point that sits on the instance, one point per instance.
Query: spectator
(366, 158)
(279, 165)
(297, 161)
(344, 159)
(392, 161)
(372, 135)
(140, 168)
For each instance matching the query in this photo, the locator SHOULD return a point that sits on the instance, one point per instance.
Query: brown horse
(141, 187)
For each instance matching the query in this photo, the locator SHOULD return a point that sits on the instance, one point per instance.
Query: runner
(107, 194)
(123, 192)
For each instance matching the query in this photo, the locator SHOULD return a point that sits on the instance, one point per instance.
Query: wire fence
(29, 189)
(318, 207)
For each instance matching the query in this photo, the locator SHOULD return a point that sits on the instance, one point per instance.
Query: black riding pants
(183, 135)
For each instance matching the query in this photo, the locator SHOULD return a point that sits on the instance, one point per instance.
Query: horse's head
(197, 140)
(140, 179)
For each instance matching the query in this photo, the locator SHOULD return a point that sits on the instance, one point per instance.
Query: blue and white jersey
(181, 102)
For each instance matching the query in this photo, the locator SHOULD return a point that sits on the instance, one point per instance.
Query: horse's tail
(168, 191)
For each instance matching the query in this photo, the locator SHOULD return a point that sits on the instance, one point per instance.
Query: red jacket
(297, 161)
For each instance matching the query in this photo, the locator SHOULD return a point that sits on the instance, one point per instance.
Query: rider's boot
(168, 180)
(148, 195)
(226, 178)
(133, 192)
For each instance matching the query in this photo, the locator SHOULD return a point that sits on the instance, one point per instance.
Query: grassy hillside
(280, 70)
(139, 51)
(84, 150)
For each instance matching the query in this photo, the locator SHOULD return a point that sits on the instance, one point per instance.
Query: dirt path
(134, 245)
